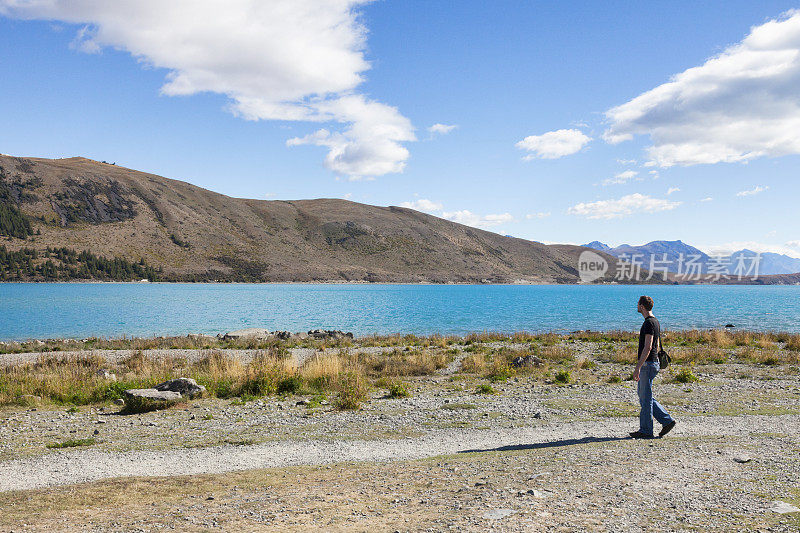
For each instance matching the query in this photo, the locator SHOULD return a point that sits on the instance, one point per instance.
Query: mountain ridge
(194, 234)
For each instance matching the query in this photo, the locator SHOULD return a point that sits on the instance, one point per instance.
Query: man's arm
(648, 345)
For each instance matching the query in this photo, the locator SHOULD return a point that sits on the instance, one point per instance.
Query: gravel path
(76, 466)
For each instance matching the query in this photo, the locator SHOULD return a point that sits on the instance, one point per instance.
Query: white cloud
(424, 205)
(553, 144)
(728, 248)
(707, 199)
(465, 217)
(370, 146)
(621, 177)
(751, 192)
(793, 244)
(739, 105)
(672, 190)
(570, 243)
(654, 173)
(625, 206)
(441, 129)
(533, 216)
(347, 196)
(626, 161)
(296, 60)
(469, 218)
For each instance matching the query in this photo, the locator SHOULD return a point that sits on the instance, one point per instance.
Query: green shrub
(290, 385)
(614, 378)
(319, 383)
(563, 376)
(266, 383)
(226, 388)
(501, 372)
(352, 392)
(485, 388)
(316, 401)
(685, 375)
(72, 443)
(398, 389)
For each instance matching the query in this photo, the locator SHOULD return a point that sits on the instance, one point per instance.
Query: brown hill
(193, 233)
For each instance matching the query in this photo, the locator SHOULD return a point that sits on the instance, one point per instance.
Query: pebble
(498, 514)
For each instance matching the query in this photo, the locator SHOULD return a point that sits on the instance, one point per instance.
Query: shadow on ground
(551, 444)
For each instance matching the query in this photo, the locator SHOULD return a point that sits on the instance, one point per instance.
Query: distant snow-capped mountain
(677, 253)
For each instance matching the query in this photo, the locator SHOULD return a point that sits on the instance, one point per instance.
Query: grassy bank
(84, 379)
(716, 338)
(348, 376)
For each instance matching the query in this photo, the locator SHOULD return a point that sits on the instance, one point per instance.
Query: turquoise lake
(78, 310)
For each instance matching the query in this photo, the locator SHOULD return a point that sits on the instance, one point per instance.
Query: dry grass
(474, 363)
(322, 371)
(66, 379)
(402, 363)
(698, 355)
(584, 362)
(793, 343)
(603, 336)
(75, 380)
(154, 343)
(625, 354)
(720, 338)
(768, 356)
(557, 353)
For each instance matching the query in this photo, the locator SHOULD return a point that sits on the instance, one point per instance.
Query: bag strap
(660, 346)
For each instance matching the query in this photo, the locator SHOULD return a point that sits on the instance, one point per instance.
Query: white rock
(497, 514)
(152, 394)
(783, 507)
(105, 374)
(249, 333)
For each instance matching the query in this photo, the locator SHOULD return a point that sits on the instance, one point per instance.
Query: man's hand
(635, 376)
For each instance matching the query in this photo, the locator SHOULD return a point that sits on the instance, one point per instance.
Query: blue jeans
(650, 407)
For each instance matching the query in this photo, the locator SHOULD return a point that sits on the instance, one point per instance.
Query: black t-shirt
(650, 327)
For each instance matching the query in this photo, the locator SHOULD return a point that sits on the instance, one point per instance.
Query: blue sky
(212, 94)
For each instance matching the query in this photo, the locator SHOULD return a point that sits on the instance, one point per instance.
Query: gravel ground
(76, 466)
(532, 456)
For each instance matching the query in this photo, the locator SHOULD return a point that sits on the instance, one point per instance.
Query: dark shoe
(666, 428)
(640, 435)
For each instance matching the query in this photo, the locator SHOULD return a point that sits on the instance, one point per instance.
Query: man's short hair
(647, 302)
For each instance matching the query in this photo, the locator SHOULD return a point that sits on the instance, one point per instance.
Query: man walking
(646, 370)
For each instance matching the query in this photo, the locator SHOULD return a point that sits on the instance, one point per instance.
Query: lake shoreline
(110, 309)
